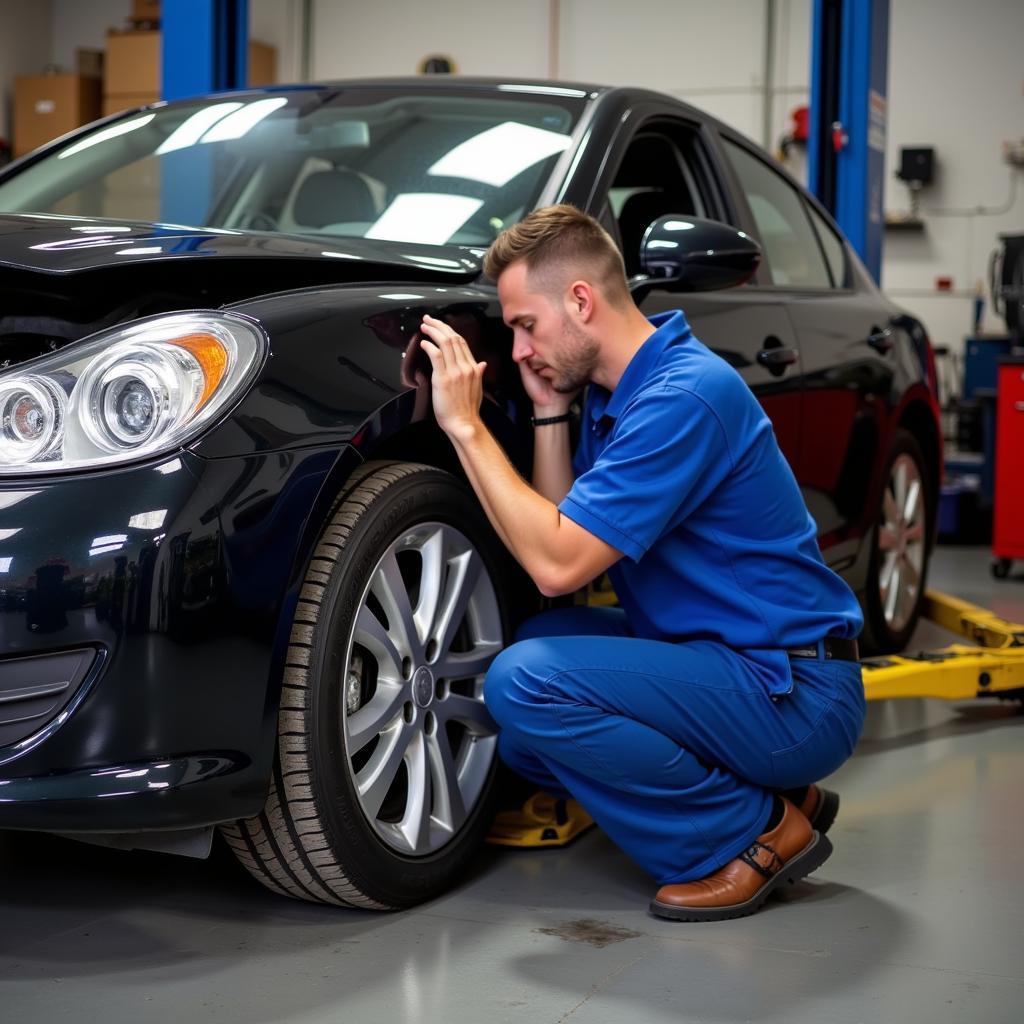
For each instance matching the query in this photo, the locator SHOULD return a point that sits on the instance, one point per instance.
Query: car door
(664, 165)
(844, 341)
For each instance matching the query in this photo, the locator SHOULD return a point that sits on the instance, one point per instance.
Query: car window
(835, 252)
(783, 228)
(656, 176)
(373, 163)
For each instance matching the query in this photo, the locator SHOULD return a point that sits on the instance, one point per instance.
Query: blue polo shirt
(678, 468)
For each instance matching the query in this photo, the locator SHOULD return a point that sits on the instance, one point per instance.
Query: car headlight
(129, 392)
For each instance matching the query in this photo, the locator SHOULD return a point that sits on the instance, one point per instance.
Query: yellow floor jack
(991, 666)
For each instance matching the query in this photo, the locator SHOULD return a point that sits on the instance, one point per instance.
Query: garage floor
(916, 917)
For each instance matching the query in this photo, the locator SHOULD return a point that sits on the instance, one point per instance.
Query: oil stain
(587, 929)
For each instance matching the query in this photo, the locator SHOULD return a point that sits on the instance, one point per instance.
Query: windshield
(427, 167)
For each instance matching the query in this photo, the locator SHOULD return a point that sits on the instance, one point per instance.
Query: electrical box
(917, 165)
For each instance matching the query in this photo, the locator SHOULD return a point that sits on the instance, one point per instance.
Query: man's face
(544, 334)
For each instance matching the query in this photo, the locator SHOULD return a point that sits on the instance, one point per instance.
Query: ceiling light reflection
(105, 549)
(9, 498)
(192, 128)
(116, 538)
(105, 134)
(148, 520)
(497, 155)
(429, 217)
(235, 125)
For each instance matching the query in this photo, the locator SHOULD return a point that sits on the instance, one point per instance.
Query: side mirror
(690, 254)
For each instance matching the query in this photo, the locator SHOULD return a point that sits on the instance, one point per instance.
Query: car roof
(466, 83)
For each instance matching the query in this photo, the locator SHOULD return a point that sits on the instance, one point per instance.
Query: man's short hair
(559, 244)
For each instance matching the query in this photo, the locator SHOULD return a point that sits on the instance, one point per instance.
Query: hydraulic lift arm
(993, 666)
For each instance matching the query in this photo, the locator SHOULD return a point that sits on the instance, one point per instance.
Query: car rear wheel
(900, 550)
(386, 758)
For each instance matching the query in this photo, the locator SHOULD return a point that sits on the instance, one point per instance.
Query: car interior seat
(652, 172)
(337, 196)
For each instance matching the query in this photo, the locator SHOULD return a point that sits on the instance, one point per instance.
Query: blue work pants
(674, 749)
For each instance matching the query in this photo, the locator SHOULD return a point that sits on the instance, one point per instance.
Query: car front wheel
(900, 549)
(386, 756)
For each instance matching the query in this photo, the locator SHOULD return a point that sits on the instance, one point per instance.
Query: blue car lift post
(205, 50)
(846, 144)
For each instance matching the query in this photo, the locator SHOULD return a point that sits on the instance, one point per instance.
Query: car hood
(67, 245)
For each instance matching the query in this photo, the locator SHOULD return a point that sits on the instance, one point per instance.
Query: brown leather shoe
(787, 853)
(820, 807)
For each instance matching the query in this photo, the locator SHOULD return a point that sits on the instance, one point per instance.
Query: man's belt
(832, 648)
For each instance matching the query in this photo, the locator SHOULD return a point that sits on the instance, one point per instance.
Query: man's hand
(457, 380)
(546, 400)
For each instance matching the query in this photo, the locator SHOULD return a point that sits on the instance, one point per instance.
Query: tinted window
(374, 163)
(833, 246)
(785, 233)
(654, 178)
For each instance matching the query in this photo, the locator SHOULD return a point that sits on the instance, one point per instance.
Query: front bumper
(155, 593)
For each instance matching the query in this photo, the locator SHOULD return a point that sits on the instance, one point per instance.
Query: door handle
(880, 341)
(777, 358)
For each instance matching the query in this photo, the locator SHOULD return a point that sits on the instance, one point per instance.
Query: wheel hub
(423, 686)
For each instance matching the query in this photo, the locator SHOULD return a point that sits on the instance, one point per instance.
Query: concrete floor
(916, 917)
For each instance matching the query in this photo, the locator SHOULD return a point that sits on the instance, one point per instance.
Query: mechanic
(692, 721)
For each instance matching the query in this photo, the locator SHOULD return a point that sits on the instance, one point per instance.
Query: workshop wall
(392, 37)
(956, 83)
(25, 27)
(77, 24)
(712, 54)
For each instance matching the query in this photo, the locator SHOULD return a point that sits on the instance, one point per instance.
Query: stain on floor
(587, 929)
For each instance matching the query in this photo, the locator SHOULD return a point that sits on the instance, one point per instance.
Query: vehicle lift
(991, 666)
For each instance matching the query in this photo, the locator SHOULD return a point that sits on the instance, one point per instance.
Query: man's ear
(580, 300)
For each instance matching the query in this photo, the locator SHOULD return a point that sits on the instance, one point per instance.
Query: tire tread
(285, 847)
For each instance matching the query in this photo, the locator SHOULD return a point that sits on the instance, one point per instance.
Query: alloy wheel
(419, 741)
(901, 542)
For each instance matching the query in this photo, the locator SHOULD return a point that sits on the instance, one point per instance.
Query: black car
(242, 582)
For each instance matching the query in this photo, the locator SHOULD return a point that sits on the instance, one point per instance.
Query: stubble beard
(576, 360)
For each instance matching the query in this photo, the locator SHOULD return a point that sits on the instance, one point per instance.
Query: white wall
(24, 49)
(712, 54)
(278, 22)
(391, 37)
(77, 24)
(956, 82)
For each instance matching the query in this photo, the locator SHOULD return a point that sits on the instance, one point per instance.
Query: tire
(383, 782)
(900, 550)
(1001, 568)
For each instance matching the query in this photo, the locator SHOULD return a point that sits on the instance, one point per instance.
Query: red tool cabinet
(1008, 513)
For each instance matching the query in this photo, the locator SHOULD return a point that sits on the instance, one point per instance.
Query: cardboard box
(115, 104)
(146, 10)
(262, 63)
(47, 106)
(133, 63)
